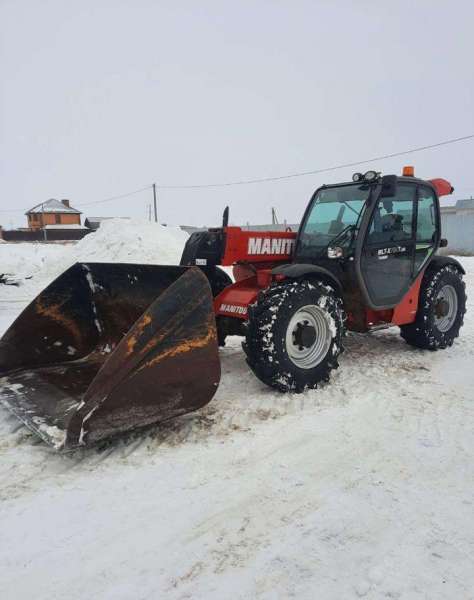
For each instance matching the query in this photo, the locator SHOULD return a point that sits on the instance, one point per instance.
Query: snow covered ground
(361, 489)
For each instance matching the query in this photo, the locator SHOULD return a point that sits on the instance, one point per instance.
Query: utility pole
(154, 202)
(274, 217)
(42, 222)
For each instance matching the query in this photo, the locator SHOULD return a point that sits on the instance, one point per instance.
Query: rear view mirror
(389, 186)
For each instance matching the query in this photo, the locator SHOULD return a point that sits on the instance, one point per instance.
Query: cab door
(388, 253)
(428, 227)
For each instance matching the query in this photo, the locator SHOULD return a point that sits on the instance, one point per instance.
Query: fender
(438, 262)
(297, 270)
(235, 299)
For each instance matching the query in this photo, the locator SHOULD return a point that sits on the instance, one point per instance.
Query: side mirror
(443, 242)
(389, 186)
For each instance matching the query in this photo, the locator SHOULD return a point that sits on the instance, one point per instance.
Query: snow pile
(132, 241)
(117, 240)
(23, 260)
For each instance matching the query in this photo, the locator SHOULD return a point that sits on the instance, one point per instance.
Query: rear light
(408, 171)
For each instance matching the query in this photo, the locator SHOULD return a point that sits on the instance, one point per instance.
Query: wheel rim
(308, 337)
(446, 308)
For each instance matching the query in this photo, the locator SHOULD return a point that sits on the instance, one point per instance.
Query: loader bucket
(109, 347)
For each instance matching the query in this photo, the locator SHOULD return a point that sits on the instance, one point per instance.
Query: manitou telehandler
(109, 347)
(364, 258)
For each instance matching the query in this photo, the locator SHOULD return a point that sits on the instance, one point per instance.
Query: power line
(269, 179)
(148, 187)
(110, 199)
(316, 171)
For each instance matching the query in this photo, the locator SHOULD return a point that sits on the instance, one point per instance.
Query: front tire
(294, 335)
(441, 310)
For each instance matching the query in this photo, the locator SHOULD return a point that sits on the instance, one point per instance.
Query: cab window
(392, 220)
(426, 220)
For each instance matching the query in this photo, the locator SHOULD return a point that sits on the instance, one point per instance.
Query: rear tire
(294, 335)
(441, 310)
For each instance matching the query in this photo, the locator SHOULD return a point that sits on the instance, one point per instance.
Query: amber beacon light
(408, 172)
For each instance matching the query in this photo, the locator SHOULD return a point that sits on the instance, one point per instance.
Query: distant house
(53, 212)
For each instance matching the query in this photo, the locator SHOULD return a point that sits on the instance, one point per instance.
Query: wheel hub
(308, 336)
(445, 308)
(304, 335)
(441, 308)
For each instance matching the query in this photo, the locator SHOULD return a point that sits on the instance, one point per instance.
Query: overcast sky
(103, 97)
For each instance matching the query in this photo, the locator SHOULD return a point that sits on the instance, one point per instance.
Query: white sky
(103, 97)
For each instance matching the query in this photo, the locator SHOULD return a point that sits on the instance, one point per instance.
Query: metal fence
(43, 235)
(457, 226)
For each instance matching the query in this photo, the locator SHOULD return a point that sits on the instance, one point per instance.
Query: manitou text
(232, 308)
(259, 245)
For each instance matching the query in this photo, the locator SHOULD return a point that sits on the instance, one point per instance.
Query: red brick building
(53, 212)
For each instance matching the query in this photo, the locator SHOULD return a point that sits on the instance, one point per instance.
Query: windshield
(333, 211)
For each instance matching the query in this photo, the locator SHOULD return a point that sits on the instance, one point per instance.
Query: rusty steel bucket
(109, 347)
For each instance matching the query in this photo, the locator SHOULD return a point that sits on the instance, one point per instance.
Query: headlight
(370, 176)
(357, 177)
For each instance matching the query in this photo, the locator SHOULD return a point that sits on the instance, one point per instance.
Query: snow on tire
(441, 310)
(294, 335)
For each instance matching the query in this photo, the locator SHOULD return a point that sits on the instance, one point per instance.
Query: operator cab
(375, 234)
